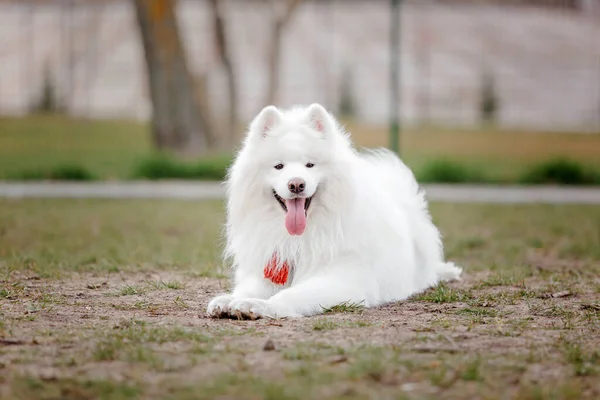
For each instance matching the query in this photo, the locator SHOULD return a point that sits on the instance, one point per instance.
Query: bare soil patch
(147, 332)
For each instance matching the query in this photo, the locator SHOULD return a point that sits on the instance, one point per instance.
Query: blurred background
(504, 91)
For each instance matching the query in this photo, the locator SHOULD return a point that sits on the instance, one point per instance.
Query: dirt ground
(149, 332)
(106, 300)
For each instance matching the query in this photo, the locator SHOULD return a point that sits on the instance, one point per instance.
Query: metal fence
(527, 64)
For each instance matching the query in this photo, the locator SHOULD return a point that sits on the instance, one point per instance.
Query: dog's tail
(448, 271)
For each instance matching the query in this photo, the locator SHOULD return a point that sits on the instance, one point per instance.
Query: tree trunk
(281, 23)
(178, 123)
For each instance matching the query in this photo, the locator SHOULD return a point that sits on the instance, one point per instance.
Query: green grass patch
(325, 325)
(162, 166)
(446, 171)
(443, 294)
(173, 285)
(29, 387)
(478, 312)
(38, 145)
(560, 171)
(112, 236)
(471, 371)
(344, 307)
(57, 173)
(505, 297)
(131, 342)
(109, 237)
(503, 279)
(129, 290)
(584, 362)
(371, 364)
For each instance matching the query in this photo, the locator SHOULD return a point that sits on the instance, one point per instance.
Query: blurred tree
(488, 102)
(47, 101)
(282, 20)
(181, 117)
(347, 103)
(223, 51)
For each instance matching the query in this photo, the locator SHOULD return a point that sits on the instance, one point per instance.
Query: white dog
(311, 223)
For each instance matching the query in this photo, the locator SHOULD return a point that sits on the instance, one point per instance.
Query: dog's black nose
(296, 185)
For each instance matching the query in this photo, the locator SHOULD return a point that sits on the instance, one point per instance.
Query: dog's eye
(310, 165)
(279, 166)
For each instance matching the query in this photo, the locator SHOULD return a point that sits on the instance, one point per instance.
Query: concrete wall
(546, 62)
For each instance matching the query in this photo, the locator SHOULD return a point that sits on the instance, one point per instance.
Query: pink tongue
(295, 219)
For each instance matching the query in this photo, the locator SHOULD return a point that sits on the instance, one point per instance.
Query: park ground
(106, 299)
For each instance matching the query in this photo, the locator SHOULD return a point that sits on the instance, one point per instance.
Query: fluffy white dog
(312, 223)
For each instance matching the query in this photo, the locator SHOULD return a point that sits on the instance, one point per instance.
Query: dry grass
(106, 299)
(500, 153)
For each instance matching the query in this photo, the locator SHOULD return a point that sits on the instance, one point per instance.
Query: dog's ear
(265, 121)
(319, 118)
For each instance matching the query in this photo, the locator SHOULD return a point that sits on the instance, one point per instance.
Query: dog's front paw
(250, 309)
(219, 306)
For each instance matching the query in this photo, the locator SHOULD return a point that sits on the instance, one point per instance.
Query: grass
(370, 365)
(445, 171)
(557, 171)
(324, 325)
(560, 171)
(443, 294)
(584, 362)
(345, 307)
(134, 290)
(107, 149)
(503, 279)
(122, 236)
(164, 167)
(111, 238)
(54, 147)
(478, 312)
(58, 173)
(472, 370)
(129, 290)
(139, 332)
(70, 389)
(485, 150)
(107, 296)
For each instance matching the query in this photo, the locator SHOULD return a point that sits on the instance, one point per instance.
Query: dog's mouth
(296, 210)
(282, 202)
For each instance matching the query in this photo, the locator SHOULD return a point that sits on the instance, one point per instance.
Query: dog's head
(291, 153)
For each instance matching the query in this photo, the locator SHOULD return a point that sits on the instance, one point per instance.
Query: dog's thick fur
(368, 236)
